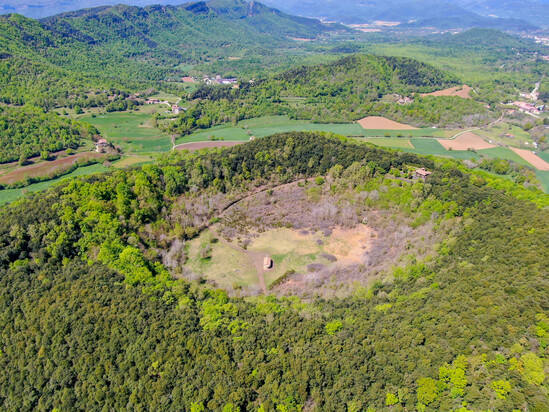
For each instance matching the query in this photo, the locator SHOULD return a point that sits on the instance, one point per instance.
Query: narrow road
(479, 128)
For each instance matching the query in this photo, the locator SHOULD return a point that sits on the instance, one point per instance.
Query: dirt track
(531, 158)
(207, 145)
(378, 122)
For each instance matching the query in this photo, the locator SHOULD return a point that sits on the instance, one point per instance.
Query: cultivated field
(533, 159)
(378, 122)
(9, 195)
(459, 91)
(133, 132)
(466, 141)
(47, 168)
(206, 145)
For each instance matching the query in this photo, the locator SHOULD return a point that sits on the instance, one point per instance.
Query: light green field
(9, 195)
(433, 147)
(504, 153)
(498, 133)
(269, 125)
(129, 161)
(394, 142)
(227, 267)
(289, 249)
(133, 132)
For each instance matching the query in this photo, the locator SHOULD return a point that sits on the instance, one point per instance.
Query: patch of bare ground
(532, 158)
(466, 141)
(359, 244)
(379, 123)
(207, 145)
(460, 91)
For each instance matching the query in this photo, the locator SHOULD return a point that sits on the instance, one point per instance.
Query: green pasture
(268, 125)
(9, 195)
(543, 177)
(133, 132)
(506, 134)
(392, 142)
(504, 153)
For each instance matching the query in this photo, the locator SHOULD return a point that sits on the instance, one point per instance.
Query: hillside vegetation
(104, 325)
(345, 90)
(124, 47)
(27, 132)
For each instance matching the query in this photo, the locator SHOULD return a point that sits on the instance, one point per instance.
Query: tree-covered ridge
(28, 131)
(469, 328)
(342, 91)
(135, 48)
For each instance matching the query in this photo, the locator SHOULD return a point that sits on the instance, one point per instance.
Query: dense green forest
(91, 319)
(57, 60)
(342, 91)
(29, 131)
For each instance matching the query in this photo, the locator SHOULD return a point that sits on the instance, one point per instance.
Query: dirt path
(479, 128)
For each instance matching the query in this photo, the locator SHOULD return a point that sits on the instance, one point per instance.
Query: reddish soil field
(46, 168)
(203, 145)
(378, 122)
(531, 158)
(459, 91)
(466, 141)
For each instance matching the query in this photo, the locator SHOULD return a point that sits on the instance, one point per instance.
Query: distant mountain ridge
(514, 14)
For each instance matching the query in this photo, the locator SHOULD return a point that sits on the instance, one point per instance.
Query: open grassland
(268, 125)
(393, 142)
(133, 132)
(507, 134)
(290, 250)
(9, 195)
(433, 147)
(504, 153)
(130, 161)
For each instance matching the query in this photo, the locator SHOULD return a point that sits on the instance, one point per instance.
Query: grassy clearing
(10, 195)
(393, 142)
(129, 161)
(133, 132)
(433, 147)
(507, 134)
(544, 155)
(227, 267)
(504, 153)
(268, 125)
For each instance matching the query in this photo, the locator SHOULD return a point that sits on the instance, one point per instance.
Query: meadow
(134, 132)
(9, 195)
(268, 125)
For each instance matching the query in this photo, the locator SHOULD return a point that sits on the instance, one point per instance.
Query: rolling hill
(121, 46)
(105, 305)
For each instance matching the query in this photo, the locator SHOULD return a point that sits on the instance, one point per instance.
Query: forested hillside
(123, 47)
(28, 131)
(345, 90)
(92, 319)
